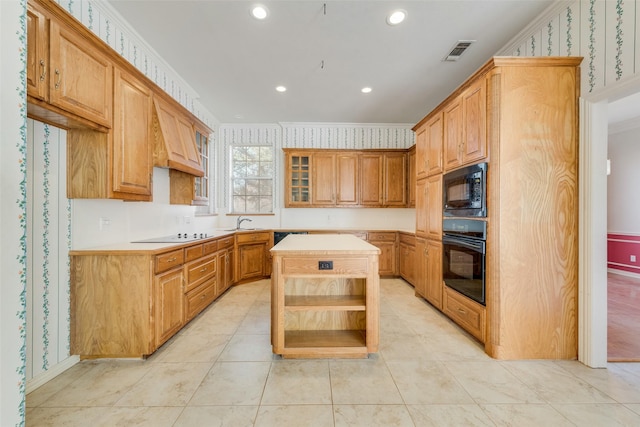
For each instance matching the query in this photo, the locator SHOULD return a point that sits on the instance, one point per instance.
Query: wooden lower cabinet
(128, 303)
(168, 307)
(434, 285)
(387, 243)
(429, 271)
(225, 265)
(407, 257)
(253, 260)
(470, 315)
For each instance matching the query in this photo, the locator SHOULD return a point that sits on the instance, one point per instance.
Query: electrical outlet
(104, 223)
(633, 258)
(325, 265)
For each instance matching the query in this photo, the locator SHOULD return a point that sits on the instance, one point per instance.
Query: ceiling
(325, 53)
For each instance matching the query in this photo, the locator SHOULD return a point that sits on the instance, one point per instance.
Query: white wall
(622, 186)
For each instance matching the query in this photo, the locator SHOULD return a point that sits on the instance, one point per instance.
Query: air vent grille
(458, 50)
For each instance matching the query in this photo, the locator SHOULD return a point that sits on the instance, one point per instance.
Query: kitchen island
(325, 297)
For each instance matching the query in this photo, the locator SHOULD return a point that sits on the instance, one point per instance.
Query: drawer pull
(203, 270)
(461, 311)
(171, 259)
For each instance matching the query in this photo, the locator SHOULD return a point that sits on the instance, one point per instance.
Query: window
(251, 179)
(201, 189)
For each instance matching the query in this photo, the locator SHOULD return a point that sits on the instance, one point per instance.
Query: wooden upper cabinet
(344, 178)
(323, 178)
(434, 207)
(69, 79)
(411, 177)
(371, 179)
(466, 126)
(421, 208)
(297, 179)
(453, 134)
(422, 152)
(395, 179)
(80, 76)
(37, 53)
(434, 144)
(429, 140)
(474, 115)
(175, 140)
(347, 179)
(132, 168)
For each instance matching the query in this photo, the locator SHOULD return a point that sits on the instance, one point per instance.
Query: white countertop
(323, 243)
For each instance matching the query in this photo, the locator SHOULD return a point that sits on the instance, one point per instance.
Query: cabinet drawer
(253, 237)
(199, 298)
(192, 252)
(407, 239)
(201, 270)
(310, 266)
(209, 247)
(167, 261)
(377, 236)
(225, 242)
(466, 313)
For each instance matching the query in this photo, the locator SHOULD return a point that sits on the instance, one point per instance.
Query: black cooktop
(175, 238)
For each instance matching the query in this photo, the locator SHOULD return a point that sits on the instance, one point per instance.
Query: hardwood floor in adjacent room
(623, 318)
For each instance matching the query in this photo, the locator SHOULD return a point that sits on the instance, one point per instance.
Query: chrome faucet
(240, 221)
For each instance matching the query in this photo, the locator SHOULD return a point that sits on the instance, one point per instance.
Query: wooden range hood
(174, 140)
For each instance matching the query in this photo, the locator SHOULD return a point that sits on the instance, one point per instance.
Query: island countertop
(319, 244)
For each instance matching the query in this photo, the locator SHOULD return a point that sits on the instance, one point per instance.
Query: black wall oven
(463, 256)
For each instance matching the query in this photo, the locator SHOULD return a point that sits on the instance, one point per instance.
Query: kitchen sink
(241, 229)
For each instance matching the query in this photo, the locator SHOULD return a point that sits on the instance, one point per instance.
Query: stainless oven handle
(474, 245)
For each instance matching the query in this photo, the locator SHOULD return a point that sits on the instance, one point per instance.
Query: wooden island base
(325, 297)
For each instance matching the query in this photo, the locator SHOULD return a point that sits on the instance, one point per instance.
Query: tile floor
(219, 371)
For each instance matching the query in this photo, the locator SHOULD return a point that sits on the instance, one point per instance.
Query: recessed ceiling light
(365, 89)
(396, 17)
(281, 88)
(259, 11)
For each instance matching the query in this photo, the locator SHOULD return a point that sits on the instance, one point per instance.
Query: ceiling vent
(458, 50)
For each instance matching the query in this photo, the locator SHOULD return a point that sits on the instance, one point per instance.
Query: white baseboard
(51, 373)
(623, 273)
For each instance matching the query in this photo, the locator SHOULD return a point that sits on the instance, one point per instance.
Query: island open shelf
(325, 297)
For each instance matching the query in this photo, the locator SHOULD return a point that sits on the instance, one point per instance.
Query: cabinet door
(421, 152)
(80, 76)
(177, 150)
(37, 53)
(224, 271)
(421, 208)
(251, 261)
(411, 180)
(407, 258)
(434, 207)
(132, 164)
(371, 176)
(323, 167)
(168, 305)
(347, 182)
(453, 134)
(434, 144)
(433, 285)
(420, 283)
(474, 101)
(395, 179)
(297, 186)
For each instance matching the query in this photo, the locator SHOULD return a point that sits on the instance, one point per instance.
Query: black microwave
(464, 192)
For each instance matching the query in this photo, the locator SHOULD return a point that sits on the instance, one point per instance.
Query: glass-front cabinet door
(298, 168)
